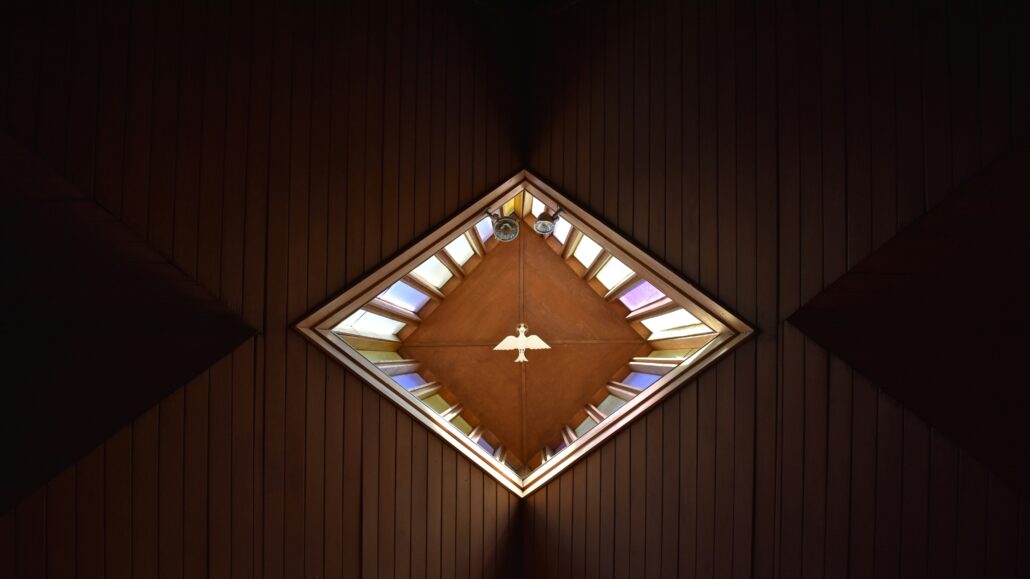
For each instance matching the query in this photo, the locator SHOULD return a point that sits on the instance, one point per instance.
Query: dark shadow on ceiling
(940, 317)
(95, 325)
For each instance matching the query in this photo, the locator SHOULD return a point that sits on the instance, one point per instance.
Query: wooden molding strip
(398, 367)
(623, 287)
(388, 310)
(450, 264)
(595, 413)
(662, 306)
(571, 243)
(568, 435)
(599, 262)
(684, 342)
(376, 344)
(414, 280)
(452, 412)
(425, 391)
(652, 368)
(477, 244)
(624, 391)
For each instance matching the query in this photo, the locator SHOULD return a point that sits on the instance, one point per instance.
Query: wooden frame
(729, 329)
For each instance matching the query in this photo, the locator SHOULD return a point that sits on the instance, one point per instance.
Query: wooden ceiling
(525, 405)
(938, 316)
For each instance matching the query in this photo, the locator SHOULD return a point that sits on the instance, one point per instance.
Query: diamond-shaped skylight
(527, 353)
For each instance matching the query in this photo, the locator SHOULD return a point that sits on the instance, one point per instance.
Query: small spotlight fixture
(505, 228)
(545, 223)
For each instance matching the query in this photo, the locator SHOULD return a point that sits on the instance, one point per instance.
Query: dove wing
(535, 343)
(509, 343)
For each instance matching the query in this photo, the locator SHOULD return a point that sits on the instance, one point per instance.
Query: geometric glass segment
(524, 354)
(587, 251)
(433, 271)
(485, 229)
(640, 295)
(460, 250)
(404, 296)
(613, 273)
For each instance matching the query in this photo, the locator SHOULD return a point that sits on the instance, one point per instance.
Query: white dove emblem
(522, 342)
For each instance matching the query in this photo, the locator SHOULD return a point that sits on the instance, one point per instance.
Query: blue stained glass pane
(485, 445)
(404, 296)
(642, 294)
(409, 381)
(640, 380)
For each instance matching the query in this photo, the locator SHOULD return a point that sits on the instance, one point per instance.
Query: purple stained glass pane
(642, 294)
(409, 381)
(640, 380)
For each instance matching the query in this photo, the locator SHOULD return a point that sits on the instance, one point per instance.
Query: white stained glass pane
(538, 207)
(433, 271)
(613, 273)
(674, 319)
(562, 229)
(587, 251)
(585, 426)
(681, 331)
(485, 228)
(460, 250)
(351, 320)
(404, 296)
(369, 323)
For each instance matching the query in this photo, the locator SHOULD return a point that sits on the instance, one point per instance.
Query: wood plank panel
(60, 525)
